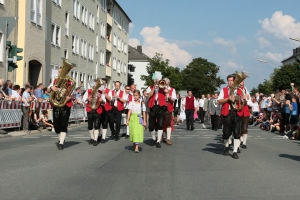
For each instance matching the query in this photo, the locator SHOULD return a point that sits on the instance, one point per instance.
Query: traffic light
(13, 57)
(14, 52)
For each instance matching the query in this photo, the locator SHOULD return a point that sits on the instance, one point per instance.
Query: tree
(253, 91)
(200, 76)
(157, 63)
(265, 87)
(286, 75)
(130, 79)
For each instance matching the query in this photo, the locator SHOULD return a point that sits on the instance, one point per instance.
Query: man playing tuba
(94, 100)
(61, 113)
(231, 120)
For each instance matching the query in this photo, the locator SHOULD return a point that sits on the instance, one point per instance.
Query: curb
(10, 134)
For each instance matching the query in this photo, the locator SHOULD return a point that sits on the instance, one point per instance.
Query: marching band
(153, 107)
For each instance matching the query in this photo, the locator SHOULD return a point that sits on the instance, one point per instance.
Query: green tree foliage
(130, 79)
(157, 63)
(253, 91)
(265, 87)
(286, 75)
(200, 76)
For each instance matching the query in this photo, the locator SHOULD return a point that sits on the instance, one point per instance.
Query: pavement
(193, 167)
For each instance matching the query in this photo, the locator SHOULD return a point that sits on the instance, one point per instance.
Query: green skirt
(136, 130)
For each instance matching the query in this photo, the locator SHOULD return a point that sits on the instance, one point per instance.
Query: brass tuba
(95, 103)
(162, 83)
(65, 85)
(239, 77)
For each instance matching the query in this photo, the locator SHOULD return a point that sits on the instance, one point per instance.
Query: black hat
(104, 78)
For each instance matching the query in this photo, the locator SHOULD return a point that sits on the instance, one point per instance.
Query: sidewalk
(11, 133)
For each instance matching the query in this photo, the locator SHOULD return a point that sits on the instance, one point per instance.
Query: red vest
(170, 105)
(120, 104)
(189, 103)
(88, 108)
(107, 105)
(69, 103)
(225, 106)
(161, 98)
(245, 110)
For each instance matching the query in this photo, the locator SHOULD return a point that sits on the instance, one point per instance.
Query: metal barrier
(10, 114)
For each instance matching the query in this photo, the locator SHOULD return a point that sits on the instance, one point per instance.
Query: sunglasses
(127, 89)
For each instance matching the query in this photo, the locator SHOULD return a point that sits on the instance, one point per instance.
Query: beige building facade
(93, 34)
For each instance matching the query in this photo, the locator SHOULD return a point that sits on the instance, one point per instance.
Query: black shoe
(187, 129)
(238, 150)
(216, 129)
(244, 146)
(152, 142)
(157, 145)
(102, 141)
(95, 143)
(241, 144)
(192, 128)
(116, 138)
(60, 146)
(226, 151)
(235, 156)
(112, 136)
(126, 136)
(91, 141)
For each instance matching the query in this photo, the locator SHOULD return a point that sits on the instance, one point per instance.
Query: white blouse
(136, 108)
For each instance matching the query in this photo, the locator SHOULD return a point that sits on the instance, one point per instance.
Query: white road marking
(82, 137)
(279, 138)
(30, 137)
(192, 135)
(47, 135)
(76, 135)
(203, 137)
(210, 135)
(259, 138)
(185, 137)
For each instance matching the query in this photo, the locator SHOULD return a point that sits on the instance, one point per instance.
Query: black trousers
(214, 121)
(189, 114)
(156, 117)
(115, 116)
(220, 122)
(245, 122)
(61, 119)
(201, 114)
(93, 120)
(105, 118)
(232, 125)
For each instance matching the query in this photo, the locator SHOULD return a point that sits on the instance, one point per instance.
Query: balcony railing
(109, 19)
(108, 45)
(108, 71)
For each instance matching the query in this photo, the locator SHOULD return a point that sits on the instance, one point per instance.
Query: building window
(98, 13)
(118, 67)
(103, 4)
(125, 68)
(96, 70)
(102, 58)
(114, 63)
(36, 12)
(66, 54)
(75, 44)
(125, 48)
(115, 40)
(97, 41)
(76, 9)
(119, 44)
(92, 21)
(1, 46)
(91, 52)
(55, 30)
(122, 46)
(57, 2)
(67, 24)
(86, 16)
(102, 30)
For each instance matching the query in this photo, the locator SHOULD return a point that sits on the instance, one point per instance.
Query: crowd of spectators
(34, 119)
(278, 112)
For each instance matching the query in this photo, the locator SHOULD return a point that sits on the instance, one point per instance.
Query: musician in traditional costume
(245, 113)
(61, 100)
(157, 103)
(129, 99)
(94, 100)
(106, 109)
(118, 98)
(168, 119)
(231, 120)
(190, 106)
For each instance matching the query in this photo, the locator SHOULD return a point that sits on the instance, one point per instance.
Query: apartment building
(8, 8)
(93, 34)
(293, 58)
(137, 65)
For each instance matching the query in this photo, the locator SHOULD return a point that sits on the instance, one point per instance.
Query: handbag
(195, 115)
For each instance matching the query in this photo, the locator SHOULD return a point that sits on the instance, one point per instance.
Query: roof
(122, 11)
(135, 55)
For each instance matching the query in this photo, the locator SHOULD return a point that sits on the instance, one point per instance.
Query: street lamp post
(264, 61)
(296, 39)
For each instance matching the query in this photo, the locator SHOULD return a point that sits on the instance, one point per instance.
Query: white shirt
(201, 103)
(177, 102)
(173, 95)
(195, 102)
(124, 96)
(136, 108)
(255, 107)
(15, 94)
(221, 96)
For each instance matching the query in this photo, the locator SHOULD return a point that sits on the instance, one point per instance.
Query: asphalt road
(31, 167)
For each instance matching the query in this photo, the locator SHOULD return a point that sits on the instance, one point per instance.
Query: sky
(233, 34)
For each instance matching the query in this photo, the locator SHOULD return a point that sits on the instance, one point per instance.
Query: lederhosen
(177, 109)
(169, 110)
(244, 113)
(94, 116)
(116, 114)
(157, 110)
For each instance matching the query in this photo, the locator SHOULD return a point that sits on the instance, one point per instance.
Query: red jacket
(120, 104)
(88, 108)
(170, 105)
(107, 105)
(225, 106)
(161, 98)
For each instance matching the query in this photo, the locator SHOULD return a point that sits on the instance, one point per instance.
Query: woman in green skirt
(136, 119)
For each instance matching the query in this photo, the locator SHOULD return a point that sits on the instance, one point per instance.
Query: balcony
(108, 71)
(109, 19)
(108, 45)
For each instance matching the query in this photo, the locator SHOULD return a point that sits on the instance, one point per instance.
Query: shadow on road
(297, 158)
(216, 148)
(131, 148)
(70, 144)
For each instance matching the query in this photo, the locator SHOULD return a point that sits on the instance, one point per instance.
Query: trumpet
(162, 83)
